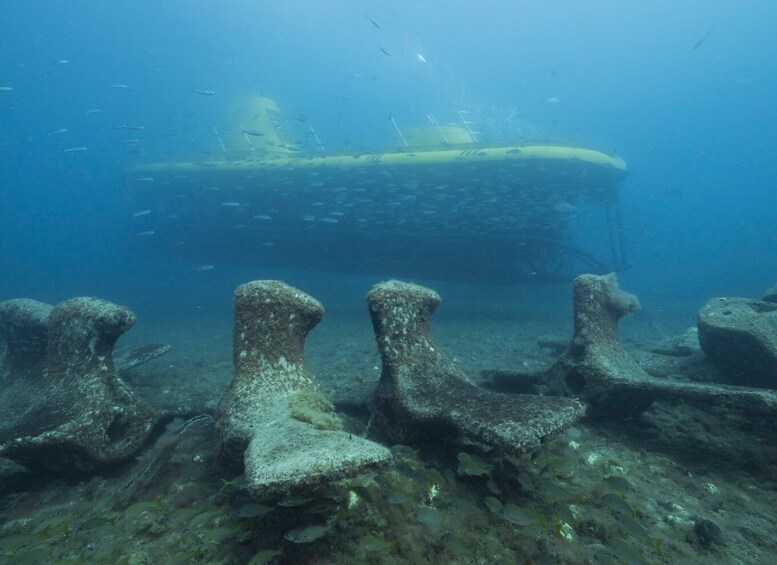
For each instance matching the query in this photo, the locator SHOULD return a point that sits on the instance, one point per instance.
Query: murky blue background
(695, 125)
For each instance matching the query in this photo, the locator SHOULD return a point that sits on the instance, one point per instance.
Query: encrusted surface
(740, 336)
(24, 333)
(72, 413)
(422, 394)
(596, 366)
(281, 454)
(286, 456)
(272, 320)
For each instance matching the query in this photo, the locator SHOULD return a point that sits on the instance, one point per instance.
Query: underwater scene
(441, 282)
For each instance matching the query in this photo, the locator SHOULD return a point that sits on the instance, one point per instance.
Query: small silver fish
(255, 133)
(374, 543)
(6, 89)
(702, 40)
(74, 150)
(306, 535)
(141, 213)
(57, 131)
(204, 92)
(59, 62)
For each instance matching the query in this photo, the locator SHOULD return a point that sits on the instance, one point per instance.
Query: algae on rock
(314, 408)
(265, 417)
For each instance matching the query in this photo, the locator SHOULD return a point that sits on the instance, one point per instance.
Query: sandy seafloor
(630, 492)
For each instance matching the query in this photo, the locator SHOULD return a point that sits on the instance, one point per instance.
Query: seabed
(675, 485)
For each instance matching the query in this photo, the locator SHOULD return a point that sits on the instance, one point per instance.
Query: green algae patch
(312, 407)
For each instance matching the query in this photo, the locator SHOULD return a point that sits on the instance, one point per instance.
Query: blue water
(695, 123)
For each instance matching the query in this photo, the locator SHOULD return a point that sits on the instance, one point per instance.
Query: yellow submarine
(438, 205)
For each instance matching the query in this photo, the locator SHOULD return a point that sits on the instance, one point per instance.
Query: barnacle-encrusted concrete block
(281, 453)
(65, 409)
(23, 340)
(596, 367)
(739, 335)
(423, 395)
(24, 336)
